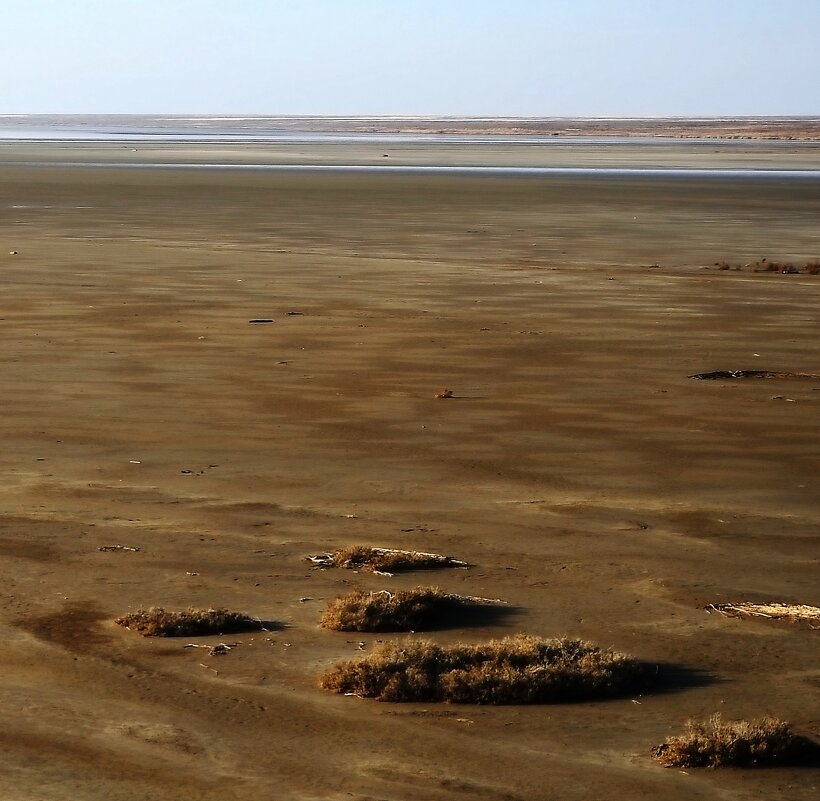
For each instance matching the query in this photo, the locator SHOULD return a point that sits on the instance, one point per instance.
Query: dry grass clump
(741, 743)
(721, 375)
(766, 266)
(405, 610)
(157, 622)
(773, 610)
(384, 560)
(515, 670)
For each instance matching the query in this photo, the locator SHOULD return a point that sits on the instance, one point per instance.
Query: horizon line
(427, 117)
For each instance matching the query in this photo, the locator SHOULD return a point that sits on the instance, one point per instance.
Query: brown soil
(585, 478)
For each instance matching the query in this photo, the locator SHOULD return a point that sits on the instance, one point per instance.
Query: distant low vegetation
(515, 670)
(764, 266)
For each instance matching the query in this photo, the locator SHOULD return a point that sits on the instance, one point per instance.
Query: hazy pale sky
(445, 57)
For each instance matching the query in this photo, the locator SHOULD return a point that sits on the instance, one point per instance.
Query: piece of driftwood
(215, 650)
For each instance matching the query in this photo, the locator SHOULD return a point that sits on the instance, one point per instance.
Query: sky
(617, 58)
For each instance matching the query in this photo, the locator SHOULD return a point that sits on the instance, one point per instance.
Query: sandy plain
(585, 477)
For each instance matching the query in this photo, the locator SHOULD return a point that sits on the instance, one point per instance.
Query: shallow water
(12, 129)
(572, 172)
(294, 144)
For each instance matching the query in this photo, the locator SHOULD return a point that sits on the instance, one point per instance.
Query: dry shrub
(384, 560)
(765, 266)
(405, 610)
(515, 670)
(773, 610)
(741, 743)
(157, 622)
(721, 375)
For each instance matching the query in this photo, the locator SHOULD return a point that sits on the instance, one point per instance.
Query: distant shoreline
(768, 128)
